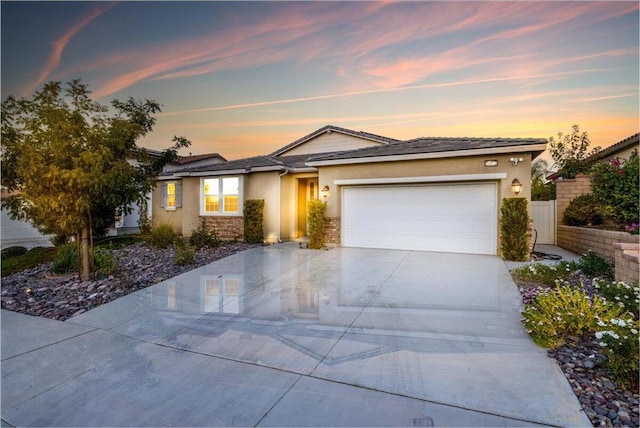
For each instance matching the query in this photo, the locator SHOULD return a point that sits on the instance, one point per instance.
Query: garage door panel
(449, 218)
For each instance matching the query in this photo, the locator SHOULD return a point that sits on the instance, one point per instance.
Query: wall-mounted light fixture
(515, 161)
(516, 186)
(325, 192)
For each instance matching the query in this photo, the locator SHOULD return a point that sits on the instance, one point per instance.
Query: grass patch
(31, 258)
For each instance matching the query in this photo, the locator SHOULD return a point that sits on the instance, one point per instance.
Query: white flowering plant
(620, 344)
(565, 311)
(545, 274)
(622, 294)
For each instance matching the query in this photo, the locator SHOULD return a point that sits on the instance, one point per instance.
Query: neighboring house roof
(184, 160)
(616, 148)
(332, 128)
(433, 147)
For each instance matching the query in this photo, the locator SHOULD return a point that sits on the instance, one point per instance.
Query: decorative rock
(624, 417)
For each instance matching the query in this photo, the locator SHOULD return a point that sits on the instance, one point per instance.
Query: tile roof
(184, 160)
(620, 145)
(431, 145)
(332, 128)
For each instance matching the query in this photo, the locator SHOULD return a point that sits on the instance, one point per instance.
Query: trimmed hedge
(514, 226)
(253, 220)
(583, 211)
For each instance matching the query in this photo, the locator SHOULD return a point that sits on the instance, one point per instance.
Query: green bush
(104, 261)
(616, 186)
(593, 265)
(163, 235)
(624, 295)
(620, 342)
(565, 311)
(315, 220)
(253, 220)
(31, 258)
(514, 225)
(544, 274)
(201, 237)
(185, 254)
(14, 251)
(583, 211)
(66, 259)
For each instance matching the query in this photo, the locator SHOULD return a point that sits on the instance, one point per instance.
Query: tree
(66, 159)
(571, 153)
(541, 189)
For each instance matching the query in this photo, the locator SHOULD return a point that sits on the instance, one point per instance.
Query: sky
(245, 78)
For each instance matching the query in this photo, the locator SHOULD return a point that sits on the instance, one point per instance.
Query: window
(171, 195)
(221, 196)
(221, 294)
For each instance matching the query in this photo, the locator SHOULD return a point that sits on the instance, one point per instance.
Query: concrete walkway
(279, 336)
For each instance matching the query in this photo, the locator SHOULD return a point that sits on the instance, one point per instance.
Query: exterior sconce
(516, 186)
(515, 161)
(325, 192)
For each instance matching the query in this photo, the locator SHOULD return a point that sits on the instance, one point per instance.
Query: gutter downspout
(280, 202)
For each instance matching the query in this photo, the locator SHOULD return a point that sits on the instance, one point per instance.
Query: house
(127, 223)
(622, 149)
(432, 194)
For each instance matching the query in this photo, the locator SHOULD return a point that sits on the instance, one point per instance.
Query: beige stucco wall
(429, 167)
(330, 142)
(160, 215)
(291, 199)
(265, 185)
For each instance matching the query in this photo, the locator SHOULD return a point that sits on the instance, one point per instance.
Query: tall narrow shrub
(315, 220)
(253, 220)
(513, 227)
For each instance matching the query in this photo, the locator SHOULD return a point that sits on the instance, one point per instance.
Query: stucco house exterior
(432, 194)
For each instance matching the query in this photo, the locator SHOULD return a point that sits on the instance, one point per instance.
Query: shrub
(562, 312)
(66, 259)
(185, 254)
(616, 185)
(104, 261)
(315, 220)
(583, 211)
(593, 265)
(14, 251)
(514, 225)
(201, 237)
(624, 295)
(163, 235)
(544, 274)
(620, 344)
(31, 258)
(253, 219)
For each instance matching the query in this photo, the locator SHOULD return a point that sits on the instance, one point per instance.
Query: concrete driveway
(279, 336)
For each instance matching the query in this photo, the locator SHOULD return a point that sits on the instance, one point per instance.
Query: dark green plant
(58, 240)
(253, 221)
(616, 186)
(144, 222)
(10, 252)
(32, 258)
(104, 261)
(541, 190)
(66, 259)
(626, 296)
(163, 235)
(571, 152)
(583, 211)
(545, 274)
(593, 265)
(203, 237)
(185, 254)
(514, 225)
(315, 221)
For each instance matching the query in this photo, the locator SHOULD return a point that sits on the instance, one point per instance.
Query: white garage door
(454, 218)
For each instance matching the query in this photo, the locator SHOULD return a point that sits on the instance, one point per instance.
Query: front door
(312, 194)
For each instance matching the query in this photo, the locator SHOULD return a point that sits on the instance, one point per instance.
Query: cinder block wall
(582, 239)
(627, 262)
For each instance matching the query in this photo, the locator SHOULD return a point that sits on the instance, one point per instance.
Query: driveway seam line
(51, 344)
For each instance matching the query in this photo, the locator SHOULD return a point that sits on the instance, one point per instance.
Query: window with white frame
(221, 196)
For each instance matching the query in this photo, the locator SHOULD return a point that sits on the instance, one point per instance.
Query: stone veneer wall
(582, 239)
(332, 230)
(228, 227)
(627, 257)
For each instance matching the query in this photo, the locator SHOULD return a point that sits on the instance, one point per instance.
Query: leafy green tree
(541, 189)
(66, 160)
(571, 152)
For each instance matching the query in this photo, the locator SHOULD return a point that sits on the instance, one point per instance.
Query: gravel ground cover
(38, 292)
(604, 401)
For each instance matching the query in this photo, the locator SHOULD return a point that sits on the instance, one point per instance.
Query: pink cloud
(59, 45)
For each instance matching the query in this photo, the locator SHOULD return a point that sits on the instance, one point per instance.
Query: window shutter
(178, 195)
(163, 195)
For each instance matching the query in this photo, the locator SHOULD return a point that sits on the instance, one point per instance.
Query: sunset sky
(245, 78)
